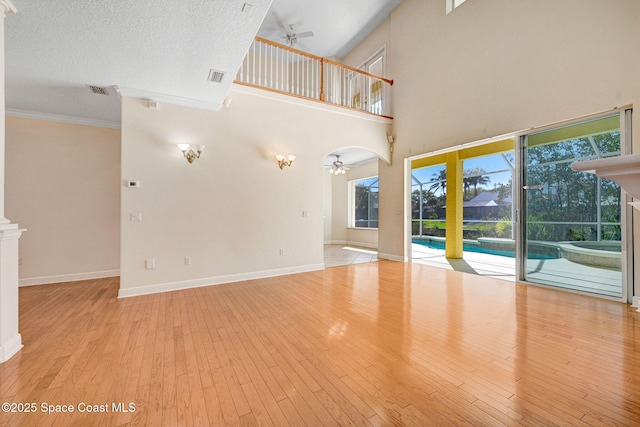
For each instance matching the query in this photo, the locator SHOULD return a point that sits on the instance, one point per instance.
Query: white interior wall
(327, 205)
(378, 39)
(339, 208)
(232, 210)
(62, 185)
(493, 67)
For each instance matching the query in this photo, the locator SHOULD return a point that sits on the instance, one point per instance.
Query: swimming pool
(499, 247)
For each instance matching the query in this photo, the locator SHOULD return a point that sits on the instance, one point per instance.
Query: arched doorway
(350, 190)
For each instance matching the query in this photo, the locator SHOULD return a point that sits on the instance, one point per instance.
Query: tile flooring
(335, 255)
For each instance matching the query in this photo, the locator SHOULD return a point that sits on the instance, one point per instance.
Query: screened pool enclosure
(564, 228)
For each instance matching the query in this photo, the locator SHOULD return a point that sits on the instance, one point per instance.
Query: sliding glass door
(572, 223)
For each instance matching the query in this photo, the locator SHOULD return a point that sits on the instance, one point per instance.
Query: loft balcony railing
(279, 68)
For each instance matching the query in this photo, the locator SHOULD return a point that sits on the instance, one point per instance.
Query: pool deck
(555, 272)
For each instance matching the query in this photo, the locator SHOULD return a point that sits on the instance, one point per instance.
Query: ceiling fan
(338, 167)
(292, 37)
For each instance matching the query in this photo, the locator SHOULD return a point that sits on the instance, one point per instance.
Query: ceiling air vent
(216, 76)
(98, 90)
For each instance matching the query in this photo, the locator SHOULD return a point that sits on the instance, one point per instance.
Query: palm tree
(474, 177)
(439, 181)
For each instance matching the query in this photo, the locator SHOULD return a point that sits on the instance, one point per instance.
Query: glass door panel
(428, 206)
(572, 221)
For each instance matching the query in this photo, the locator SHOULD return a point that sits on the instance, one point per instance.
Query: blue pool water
(479, 249)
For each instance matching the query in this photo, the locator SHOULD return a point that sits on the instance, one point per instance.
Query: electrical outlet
(150, 264)
(187, 260)
(281, 251)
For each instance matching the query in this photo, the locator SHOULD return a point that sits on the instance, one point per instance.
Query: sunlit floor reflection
(335, 255)
(499, 267)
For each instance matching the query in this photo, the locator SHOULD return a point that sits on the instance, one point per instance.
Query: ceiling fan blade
(305, 34)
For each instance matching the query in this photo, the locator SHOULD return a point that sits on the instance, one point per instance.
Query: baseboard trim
(336, 242)
(68, 278)
(635, 302)
(210, 281)
(392, 257)
(10, 348)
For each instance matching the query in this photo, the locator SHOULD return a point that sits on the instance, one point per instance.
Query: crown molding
(169, 99)
(61, 118)
(7, 7)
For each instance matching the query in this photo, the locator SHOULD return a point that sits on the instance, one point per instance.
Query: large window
(487, 198)
(364, 202)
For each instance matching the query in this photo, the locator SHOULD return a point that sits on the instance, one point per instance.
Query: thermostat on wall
(133, 184)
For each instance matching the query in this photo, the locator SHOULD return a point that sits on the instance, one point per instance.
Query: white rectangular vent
(98, 90)
(216, 76)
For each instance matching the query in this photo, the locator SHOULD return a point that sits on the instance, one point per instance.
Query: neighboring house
(487, 205)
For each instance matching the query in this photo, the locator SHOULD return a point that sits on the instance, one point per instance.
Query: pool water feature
(603, 254)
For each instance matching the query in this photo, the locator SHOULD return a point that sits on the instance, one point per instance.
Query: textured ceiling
(338, 25)
(153, 48)
(156, 49)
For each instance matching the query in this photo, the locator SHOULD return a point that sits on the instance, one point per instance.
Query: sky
(494, 162)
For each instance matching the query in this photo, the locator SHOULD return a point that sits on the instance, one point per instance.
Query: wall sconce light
(282, 162)
(189, 153)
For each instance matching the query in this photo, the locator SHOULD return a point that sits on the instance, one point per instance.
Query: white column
(10, 339)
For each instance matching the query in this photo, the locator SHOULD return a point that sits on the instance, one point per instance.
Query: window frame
(353, 184)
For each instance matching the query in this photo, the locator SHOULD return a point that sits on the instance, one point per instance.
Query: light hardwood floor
(380, 343)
